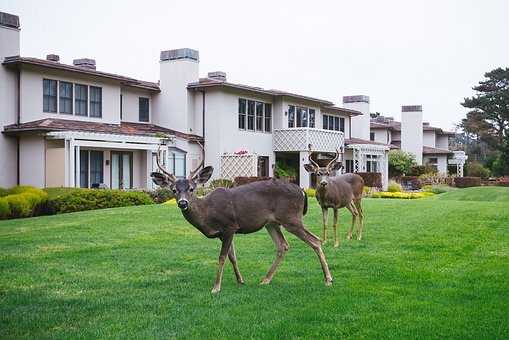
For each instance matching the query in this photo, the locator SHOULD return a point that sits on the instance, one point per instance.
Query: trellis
(244, 165)
(362, 153)
(459, 160)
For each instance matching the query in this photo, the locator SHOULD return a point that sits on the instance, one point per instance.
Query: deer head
(183, 189)
(323, 174)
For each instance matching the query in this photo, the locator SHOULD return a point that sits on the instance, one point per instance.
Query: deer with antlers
(336, 192)
(243, 210)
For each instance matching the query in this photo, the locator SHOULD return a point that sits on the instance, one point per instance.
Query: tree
(400, 162)
(488, 121)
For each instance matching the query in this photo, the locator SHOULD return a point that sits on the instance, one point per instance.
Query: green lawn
(429, 268)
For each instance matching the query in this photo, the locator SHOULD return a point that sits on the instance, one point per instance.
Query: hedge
(504, 181)
(371, 179)
(5, 209)
(402, 195)
(21, 201)
(466, 182)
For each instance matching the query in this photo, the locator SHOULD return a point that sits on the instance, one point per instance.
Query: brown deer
(336, 192)
(243, 210)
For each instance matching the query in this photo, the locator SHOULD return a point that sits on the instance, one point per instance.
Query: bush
(466, 182)
(436, 179)
(3, 192)
(400, 162)
(394, 187)
(402, 195)
(310, 192)
(246, 180)
(161, 195)
(504, 181)
(418, 170)
(371, 179)
(410, 182)
(19, 205)
(5, 209)
(476, 169)
(221, 183)
(90, 199)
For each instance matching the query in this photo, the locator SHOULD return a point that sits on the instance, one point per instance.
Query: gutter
(203, 121)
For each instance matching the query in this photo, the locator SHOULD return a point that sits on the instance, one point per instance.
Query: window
(81, 100)
(177, 164)
(95, 101)
(242, 114)
(65, 97)
(291, 116)
(302, 117)
(371, 163)
(83, 168)
(371, 136)
(49, 95)
(250, 114)
(91, 168)
(349, 165)
(342, 124)
(121, 113)
(268, 117)
(311, 118)
(259, 116)
(143, 109)
(333, 123)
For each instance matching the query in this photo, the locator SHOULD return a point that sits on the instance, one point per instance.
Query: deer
(244, 209)
(336, 192)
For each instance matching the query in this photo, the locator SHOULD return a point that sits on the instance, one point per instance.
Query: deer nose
(323, 183)
(183, 204)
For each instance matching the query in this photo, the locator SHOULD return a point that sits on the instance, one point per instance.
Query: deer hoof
(328, 283)
(216, 290)
(265, 281)
(336, 245)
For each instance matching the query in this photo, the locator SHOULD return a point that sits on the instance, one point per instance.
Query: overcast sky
(397, 52)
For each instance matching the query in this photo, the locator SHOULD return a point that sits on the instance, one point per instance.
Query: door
(263, 166)
(121, 170)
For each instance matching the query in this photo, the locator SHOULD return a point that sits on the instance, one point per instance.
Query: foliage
(144, 272)
(5, 209)
(203, 191)
(465, 182)
(3, 192)
(394, 187)
(419, 170)
(282, 169)
(161, 195)
(401, 195)
(410, 182)
(504, 181)
(400, 162)
(371, 179)
(476, 169)
(437, 189)
(91, 199)
(172, 201)
(59, 191)
(436, 179)
(488, 121)
(310, 192)
(221, 183)
(19, 205)
(22, 201)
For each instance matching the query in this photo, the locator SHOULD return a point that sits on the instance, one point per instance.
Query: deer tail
(305, 210)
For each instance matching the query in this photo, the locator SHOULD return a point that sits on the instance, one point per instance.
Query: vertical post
(149, 169)
(385, 176)
(304, 177)
(66, 162)
(77, 170)
(72, 154)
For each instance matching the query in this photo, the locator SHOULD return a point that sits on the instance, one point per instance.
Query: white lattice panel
(239, 166)
(299, 139)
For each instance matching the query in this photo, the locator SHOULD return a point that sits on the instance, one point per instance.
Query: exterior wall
(442, 142)
(9, 46)
(32, 96)
(32, 161)
(412, 134)
(382, 136)
(360, 124)
(441, 162)
(395, 136)
(428, 138)
(130, 105)
(55, 164)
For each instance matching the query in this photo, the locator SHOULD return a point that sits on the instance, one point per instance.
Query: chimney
(411, 131)
(217, 75)
(9, 20)
(359, 124)
(84, 63)
(53, 57)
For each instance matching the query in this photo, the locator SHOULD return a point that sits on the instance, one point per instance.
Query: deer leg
(361, 219)
(354, 213)
(225, 248)
(314, 242)
(325, 217)
(336, 239)
(233, 260)
(281, 246)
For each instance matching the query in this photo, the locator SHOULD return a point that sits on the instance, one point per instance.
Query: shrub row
(466, 182)
(401, 195)
(371, 179)
(21, 201)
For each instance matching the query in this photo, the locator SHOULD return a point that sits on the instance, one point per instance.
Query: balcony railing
(300, 139)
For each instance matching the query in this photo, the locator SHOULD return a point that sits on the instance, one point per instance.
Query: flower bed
(402, 195)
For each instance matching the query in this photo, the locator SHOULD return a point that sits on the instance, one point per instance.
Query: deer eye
(174, 190)
(191, 189)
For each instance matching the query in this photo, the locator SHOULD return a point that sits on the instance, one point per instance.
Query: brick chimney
(84, 63)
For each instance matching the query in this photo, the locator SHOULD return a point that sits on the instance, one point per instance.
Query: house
(429, 144)
(76, 126)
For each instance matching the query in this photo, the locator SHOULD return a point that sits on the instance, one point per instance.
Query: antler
(333, 160)
(171, 177)
(192, 173)
(311, 159)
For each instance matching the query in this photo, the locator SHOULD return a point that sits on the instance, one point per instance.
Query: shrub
(19, 205)
(203, 191)
(400, 162)
(402, 195)
(3, 192)
(5, 209)
(436, 179)
(418, 170)
(476, 169)
(161, 195)
(246, 180)
(410, 182)
(394, 187)
(504, 181)
(466, 182)
(90, 199)
(221, 183)
(310, 192)
(371, 179)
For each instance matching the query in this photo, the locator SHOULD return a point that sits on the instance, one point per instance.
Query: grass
(429, 268)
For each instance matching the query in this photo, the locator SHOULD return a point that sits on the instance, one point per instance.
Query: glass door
(121, 170)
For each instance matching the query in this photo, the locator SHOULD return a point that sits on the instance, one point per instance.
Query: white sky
(397, 52)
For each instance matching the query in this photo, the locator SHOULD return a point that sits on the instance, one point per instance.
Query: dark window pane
(121, 113)
(49, 95)
(336, 123)
(95, 101)
(242, 114)
(325, 120)
(250, 114)
(311, 118)
(81, 100)
(65, 97)
(268, 117)
(291, 116)
(83, 168)
(143, 109)
(331, 123)
(371, 136)
(259, 116)
(342, 124)
(96, 167)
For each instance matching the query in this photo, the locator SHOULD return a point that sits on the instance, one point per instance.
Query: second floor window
(81, 100)
(301, 116)
(255, 116)
(259, 116)
(242, 114)
(371, 136)
(268, 117)
(333, 123)
(144, 109)
(65, 97)
(250, 114)
(49, 95)
(95, 101)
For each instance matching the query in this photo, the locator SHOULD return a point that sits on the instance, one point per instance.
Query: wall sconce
(107, 162)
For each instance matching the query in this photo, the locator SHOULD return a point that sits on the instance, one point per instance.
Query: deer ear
(309, 168)
(336, 166)
(159, 179)
(203, 175)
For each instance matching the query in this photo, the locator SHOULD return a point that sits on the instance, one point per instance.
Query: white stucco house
(75, 126)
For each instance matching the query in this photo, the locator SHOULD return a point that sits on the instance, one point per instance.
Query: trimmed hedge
(467, 182)
(402, 195)
(21, 201)
(161, 195)
(5, 209)
(371, 179)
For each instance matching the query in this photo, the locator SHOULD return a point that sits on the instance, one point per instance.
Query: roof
(124, 128)
(428, 150)
(204, 83)
(349, 141)
(337, 109)
(396, 126)
(126, 81)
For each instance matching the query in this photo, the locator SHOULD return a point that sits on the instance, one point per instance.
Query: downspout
(203, 121)
(18, 122)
